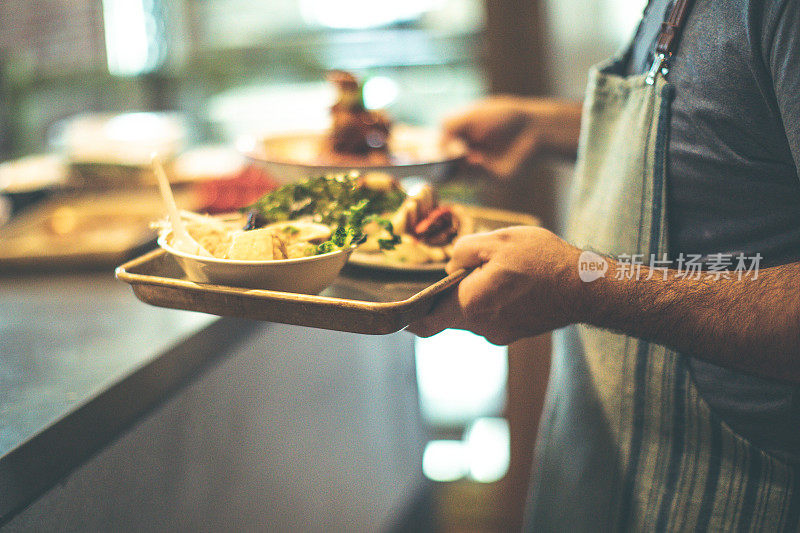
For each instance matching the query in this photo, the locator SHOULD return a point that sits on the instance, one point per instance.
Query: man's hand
(523, 282)
(503, 134)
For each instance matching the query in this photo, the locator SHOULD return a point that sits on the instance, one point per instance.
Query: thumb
(444, 314)
(457, 127)
(470, 251)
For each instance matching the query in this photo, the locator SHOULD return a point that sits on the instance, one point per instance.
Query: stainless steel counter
(68, 342)
(66, 338)
(91, 380)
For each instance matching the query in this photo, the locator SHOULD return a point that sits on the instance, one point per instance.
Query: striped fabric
(687, 471)
(675, 465)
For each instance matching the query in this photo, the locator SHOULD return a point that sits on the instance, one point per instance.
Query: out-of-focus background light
(462, 379)
(132, 46)
(362, 14)
(487, 443)
(483, 454)
(461, 376)
(445, 460)
(380, 92)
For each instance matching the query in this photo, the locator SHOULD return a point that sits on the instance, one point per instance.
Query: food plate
(379, 262)
(357, 302)
(413, 151)
(482, 219)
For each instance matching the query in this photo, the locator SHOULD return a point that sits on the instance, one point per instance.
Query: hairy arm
(750, 324)
(525, 281)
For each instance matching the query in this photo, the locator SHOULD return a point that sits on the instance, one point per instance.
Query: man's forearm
(561, 119)
(750, 324)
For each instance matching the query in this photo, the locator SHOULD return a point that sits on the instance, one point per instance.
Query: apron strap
(671, 28)
(668, 38)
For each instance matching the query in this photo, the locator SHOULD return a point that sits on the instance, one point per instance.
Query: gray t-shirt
(733, 182)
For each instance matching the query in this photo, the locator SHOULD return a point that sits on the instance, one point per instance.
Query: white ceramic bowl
(306, 275)
(295, 156)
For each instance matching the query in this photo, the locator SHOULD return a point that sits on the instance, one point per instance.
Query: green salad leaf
(348, 233)
(394, 240)
(325, 198)
(337, 200)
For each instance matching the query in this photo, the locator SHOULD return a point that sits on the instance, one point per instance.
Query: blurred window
(264, 63)
(363, 14)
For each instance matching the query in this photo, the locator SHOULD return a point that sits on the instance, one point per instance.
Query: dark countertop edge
(40, 463)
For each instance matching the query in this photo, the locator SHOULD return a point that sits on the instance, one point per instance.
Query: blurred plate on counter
(381, 262)
(32, 173)
(85, 231)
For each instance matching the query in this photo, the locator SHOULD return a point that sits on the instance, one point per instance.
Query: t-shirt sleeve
(782, 49)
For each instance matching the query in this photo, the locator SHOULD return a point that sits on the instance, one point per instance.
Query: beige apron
(626, 441)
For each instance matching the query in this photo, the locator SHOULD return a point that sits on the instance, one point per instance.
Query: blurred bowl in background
(26, 180)
(115, 150)
(206, 162)
(294, 156)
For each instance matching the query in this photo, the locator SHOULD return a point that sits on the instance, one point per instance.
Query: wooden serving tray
(360, 300)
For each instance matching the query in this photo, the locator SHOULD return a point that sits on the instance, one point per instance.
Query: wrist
(579, 286)
(595, 290)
